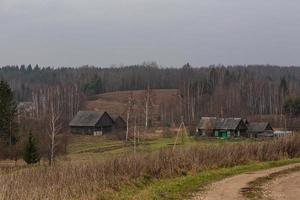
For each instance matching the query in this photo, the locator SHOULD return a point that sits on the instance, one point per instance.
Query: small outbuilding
(91, 123)
(119, 122)
(260, 129)
(281, 133)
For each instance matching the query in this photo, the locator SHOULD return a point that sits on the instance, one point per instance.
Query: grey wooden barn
(260, 129)
(92, 123)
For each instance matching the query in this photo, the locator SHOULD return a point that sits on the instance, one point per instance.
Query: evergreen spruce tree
(31, 154)
(8, 113)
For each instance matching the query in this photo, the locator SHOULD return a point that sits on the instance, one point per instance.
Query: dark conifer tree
(31, 154)
(8, 112)
(283, 88)
(29, 68)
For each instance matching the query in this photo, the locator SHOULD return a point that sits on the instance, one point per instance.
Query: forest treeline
(206, 91)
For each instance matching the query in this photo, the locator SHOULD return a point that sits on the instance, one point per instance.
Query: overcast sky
(170, 32)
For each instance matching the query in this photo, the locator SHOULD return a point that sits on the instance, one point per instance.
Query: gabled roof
(228, 123)
(219, 123)
(245, 121)
(259, 126)
(86, 118)
(121, 119)
(207, 123)
(116, 117)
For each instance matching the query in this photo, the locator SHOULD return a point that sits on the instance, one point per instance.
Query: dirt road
(284, 188)
(229, 188)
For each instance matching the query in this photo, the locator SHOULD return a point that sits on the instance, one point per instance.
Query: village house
(233, 127)
(92, 123)
(260, 129)
(206, 126)
(222, 127)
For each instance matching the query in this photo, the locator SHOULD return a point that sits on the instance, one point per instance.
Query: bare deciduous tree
(54, 121)
(130, 105)
(147, 105)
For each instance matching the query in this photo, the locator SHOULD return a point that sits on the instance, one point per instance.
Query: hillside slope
(162, 103)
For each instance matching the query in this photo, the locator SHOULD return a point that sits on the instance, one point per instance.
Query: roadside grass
(255, 190)
(185, 186)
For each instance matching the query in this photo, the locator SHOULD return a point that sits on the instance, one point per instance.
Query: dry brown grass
(116, 102)
(91, 179)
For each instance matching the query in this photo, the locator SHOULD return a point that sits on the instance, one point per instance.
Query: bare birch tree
(54, 121)
(130, 104)
(147, 105)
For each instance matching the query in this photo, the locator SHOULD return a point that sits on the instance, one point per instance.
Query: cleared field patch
(116, 102)
(82, 147)
(89, 147)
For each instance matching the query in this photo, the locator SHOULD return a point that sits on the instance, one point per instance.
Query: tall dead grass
(91, 179)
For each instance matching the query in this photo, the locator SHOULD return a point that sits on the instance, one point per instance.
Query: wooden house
(260, 129)
(206, 126)
(92, 123)
(222, 127)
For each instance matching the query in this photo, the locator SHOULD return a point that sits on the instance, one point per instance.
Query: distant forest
(206, 91)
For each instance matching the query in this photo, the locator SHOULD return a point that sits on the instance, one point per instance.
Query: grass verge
(256, 187)
(182, 187)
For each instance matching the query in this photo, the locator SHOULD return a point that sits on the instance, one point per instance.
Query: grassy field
(182, 187)
(99, 168)
(88, 147)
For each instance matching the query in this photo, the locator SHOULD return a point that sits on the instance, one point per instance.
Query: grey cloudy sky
(171, 32)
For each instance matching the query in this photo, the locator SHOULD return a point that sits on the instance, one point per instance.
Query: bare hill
(162, 100)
